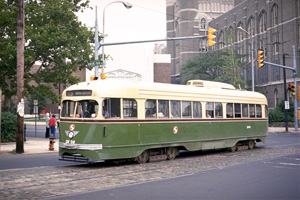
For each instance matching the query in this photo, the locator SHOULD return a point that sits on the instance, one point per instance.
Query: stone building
(190, 18)
(274, 26)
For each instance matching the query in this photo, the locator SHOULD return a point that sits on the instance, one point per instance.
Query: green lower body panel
(99, 141)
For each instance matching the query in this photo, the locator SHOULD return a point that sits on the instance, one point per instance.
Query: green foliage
(221, 66)
(8, 127)
(277, 114)
(54, 38)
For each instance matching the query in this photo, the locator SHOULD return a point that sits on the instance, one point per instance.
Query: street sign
(35, 102)
(286, 105)
(95, 62)
(35, 110)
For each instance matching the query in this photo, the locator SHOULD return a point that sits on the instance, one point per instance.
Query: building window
(274, 15)
(203, 24)
(262, 24)
(221, 40)
(240, 33)
(250, 27)
(276, 97)
(275, 43)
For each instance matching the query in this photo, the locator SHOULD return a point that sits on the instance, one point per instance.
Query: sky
(146, 20)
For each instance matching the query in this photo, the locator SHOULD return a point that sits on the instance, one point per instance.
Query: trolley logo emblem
(175, 129)
(71, 134)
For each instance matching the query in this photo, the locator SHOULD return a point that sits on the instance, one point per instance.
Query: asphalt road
(265, 179)
(52, 159)
(270, 171)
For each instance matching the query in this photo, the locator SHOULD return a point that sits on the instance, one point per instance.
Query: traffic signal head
(211, 37)
(292, 88)
(260, 58)
(103, 76)
(93, 78)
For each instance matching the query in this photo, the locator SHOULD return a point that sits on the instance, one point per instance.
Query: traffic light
(292, 88)
(260, 58)
(298, 94)
(211, 37)
(93, 78)
(103, 76)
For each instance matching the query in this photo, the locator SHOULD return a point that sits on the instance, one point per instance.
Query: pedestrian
(52, 124)
(47, 118)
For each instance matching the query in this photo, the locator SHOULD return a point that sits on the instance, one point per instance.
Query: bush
(8, 127)
(275, 115)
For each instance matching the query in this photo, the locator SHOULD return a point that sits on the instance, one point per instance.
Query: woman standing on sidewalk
(52, 124)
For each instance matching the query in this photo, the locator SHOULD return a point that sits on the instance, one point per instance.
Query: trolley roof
(208, 91)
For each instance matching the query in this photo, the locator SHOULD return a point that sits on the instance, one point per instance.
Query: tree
(221, 66)
(53, 37)
(207, 66)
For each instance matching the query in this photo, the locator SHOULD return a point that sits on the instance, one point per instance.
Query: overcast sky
(146, 20)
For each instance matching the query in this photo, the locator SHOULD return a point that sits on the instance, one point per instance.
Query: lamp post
(128, 6)
(252, 55)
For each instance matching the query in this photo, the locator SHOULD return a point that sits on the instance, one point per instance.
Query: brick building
(189, 18)
(274, 27)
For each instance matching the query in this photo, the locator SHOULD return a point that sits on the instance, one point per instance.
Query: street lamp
(128, 6)
(252, 47)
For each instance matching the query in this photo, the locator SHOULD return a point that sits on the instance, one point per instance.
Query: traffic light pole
(294, 69)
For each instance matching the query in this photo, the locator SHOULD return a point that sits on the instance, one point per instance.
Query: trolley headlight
(71, 134)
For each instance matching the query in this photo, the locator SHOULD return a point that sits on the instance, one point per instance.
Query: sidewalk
(31, 146)
(41, 145)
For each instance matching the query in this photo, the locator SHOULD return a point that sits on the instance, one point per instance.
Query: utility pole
(20, 76)
(285, 95)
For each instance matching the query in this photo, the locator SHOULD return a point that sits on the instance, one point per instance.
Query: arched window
(203, 24)
(240, 33)
(262, 23)
(229, 36)
(221, 40)
(274, 15)
(276, 97)
(250, 26)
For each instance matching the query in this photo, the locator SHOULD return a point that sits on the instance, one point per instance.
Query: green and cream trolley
(118, 119)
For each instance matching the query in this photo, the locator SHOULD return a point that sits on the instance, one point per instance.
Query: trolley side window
(266, 111)
(252, 110)
(218, 110)
(229, 110)
(258, 111)
(163, 109)
(175, 109)
(68, 108)
(197, 111)
(245, 110)
(237, 110)
(87, 109)
(186, 109)
(150, 108)
(111, 108)
(129, 108)
(209, 110)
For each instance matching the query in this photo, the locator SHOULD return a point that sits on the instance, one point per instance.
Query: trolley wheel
(172, 152)
(143, 157)
(251, 144)
(233, 148)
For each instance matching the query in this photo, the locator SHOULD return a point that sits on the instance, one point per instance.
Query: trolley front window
(87, 109)
(68, 108)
